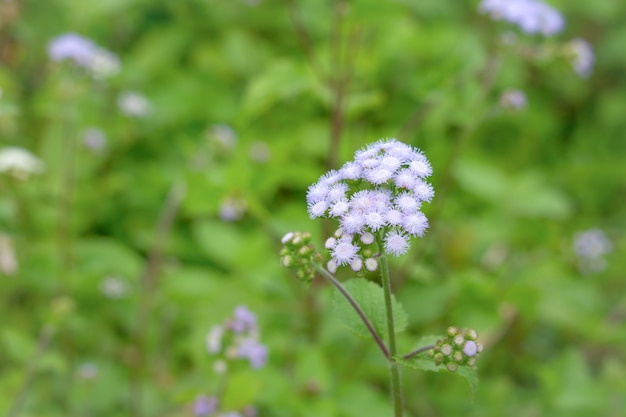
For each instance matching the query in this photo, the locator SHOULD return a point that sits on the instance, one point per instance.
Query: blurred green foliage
(126, 255)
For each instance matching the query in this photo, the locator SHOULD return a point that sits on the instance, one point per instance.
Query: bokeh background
(159, 181)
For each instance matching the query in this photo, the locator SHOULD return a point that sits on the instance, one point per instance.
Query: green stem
(357, 308)
(394, 370)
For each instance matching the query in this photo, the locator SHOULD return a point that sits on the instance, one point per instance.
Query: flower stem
(394, 370)
(418, 351)
(357, 308)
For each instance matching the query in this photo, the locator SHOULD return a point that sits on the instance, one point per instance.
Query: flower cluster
(298, 253)
(580, 54)
(380, 191)
(531, 16)
(85, 53)
(237, 337)
(19, 163)
(591, 246)
(458, 348)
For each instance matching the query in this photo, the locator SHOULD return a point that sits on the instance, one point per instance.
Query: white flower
(582, 57)
(396, 243)
(371, 264)
(133, 104)
(415, 224)
(344, 252)
(19, 163)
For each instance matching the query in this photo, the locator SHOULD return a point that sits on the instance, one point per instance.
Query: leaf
(241, 390)
(369, 296)
(470, 374)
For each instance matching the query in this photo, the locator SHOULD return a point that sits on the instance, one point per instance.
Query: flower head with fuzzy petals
(380, 192)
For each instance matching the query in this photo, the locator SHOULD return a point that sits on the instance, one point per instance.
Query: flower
(591, 246)
(94, 139)
(244, 320)
(73, 47)
(531, 16)
(255, 352)
(382, 189)
(513, 99)
(85, 53)
(204, 405)
(581, 56)
(19, 163)
(133, 104)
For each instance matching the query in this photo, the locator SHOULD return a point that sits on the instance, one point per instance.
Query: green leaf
(369, 296)
(421, 363)
(241, 390)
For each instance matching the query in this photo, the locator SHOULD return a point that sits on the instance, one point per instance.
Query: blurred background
(153, 153)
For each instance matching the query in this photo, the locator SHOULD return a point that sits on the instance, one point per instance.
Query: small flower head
(204, 406)
(298, 253)
(19, 163)
(458, 348)
(580, 54)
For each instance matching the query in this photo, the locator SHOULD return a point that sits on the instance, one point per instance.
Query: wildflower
(85, 53)
(87, 371)
(114, 287)
(133, 104)
(223, 135)
(513, 99)
(581, 56)
(591, 246)
(204, 405)
(382, 189)
(94, 139)
(232, 209)
(19, 163)
(73, 47)
(255, 352)
(531, 16)
(214, 339)
(244, 320)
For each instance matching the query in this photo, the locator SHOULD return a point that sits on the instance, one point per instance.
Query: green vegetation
(144, 193)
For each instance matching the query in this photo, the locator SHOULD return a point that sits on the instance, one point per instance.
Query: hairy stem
(394, 370)
(357, 308)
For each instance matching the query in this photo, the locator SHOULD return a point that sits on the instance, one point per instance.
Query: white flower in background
(19, 163)
(87, 371)
(114, 287)
(260, 152)
(582, 57)
(133, 104)
(223, 135)
(591, 246)
(94, 139)
(531, 16)
(513, 99)
(232, 209)
(103, 64)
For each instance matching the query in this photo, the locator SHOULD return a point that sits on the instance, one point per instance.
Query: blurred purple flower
(244, 320)
(71, 46)
(204, 405)
(531, 16)
(255, 352)
(582, 57)
(513, 99)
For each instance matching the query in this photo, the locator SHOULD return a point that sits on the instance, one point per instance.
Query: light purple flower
(513, 99)
(73, 47)
(582, 57)
(381, 189)
(255, 352)
(531, 16)
(470, 348)
(244, 320)
(204, 406)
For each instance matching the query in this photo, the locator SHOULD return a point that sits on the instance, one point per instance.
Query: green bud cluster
(458, 348)
(298, 253)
